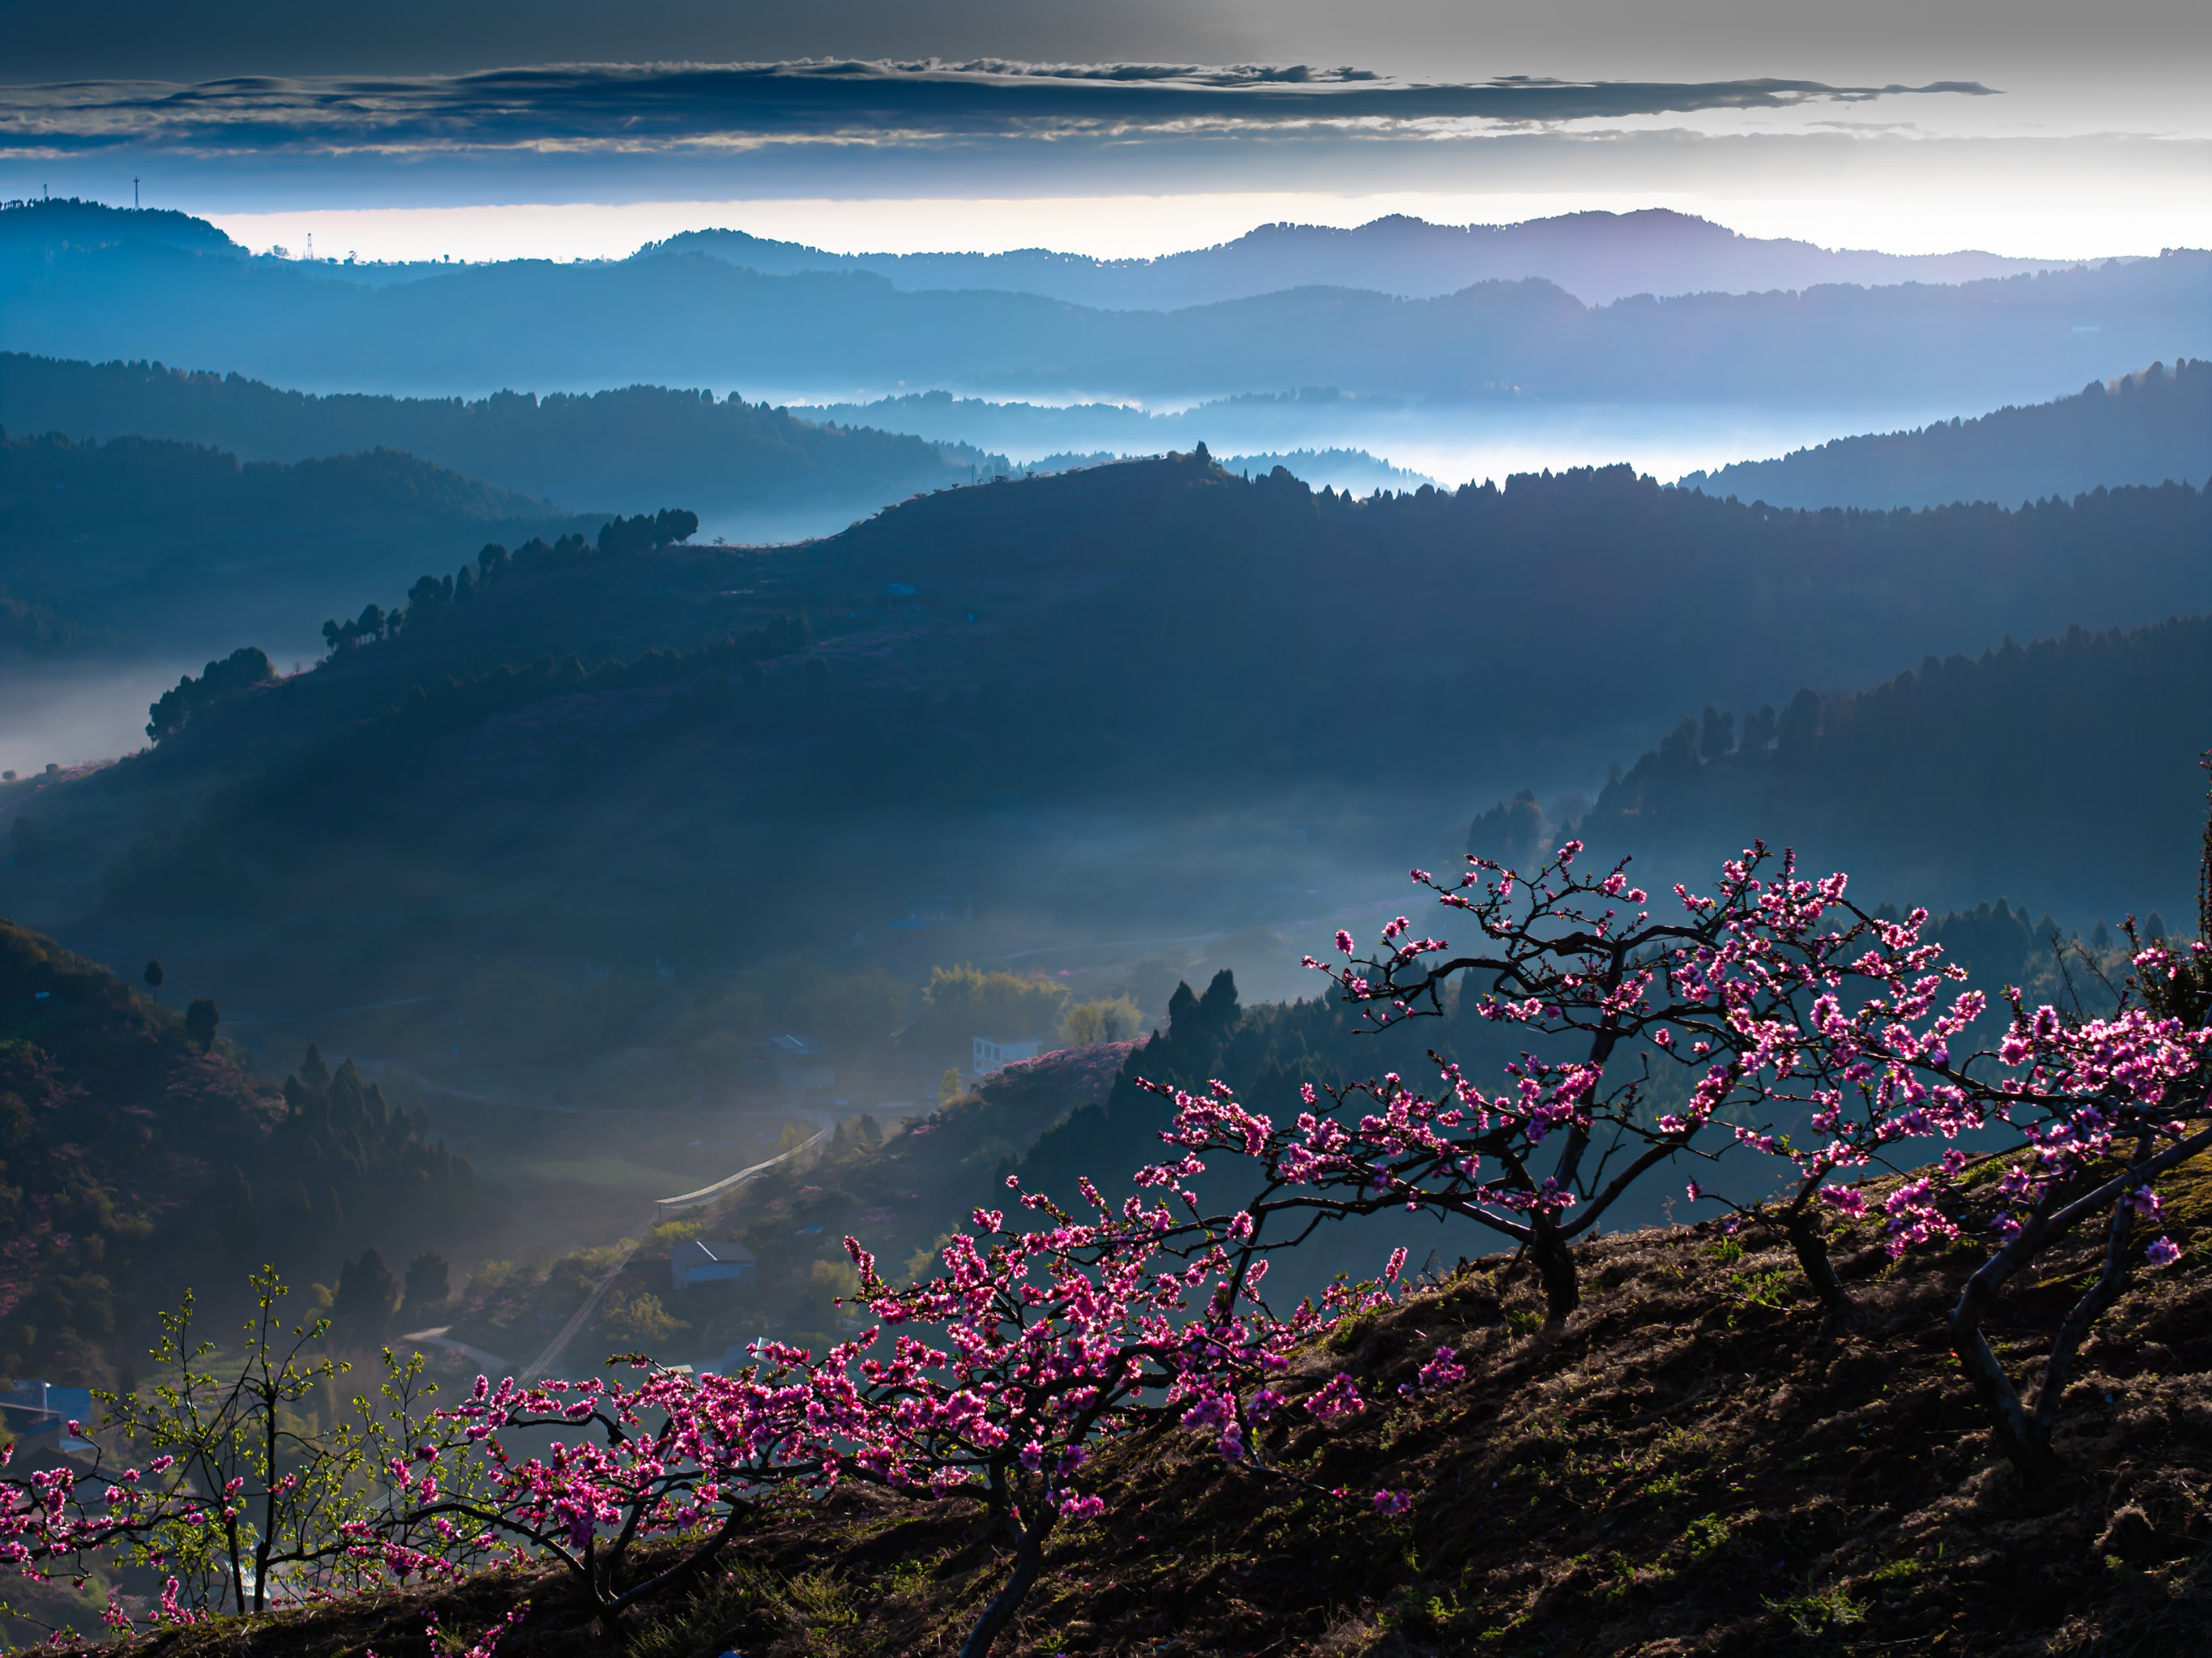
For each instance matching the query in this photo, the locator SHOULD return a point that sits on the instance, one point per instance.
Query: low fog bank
(749, 524)
(75, 712)
(1453, 443)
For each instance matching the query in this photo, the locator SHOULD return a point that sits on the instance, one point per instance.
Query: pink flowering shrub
(1040, 1344)
(994, 1382)
(2133, 1090)
(2074, 1095)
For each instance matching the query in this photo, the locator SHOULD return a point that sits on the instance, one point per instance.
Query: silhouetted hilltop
(66, 224)
(1023, 598)
(612, 446)
(679, 317)
(1596, 256)
(1354, 469)
(2140, 428)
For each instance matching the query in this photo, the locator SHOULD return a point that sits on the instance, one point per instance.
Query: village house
(703, 1260)
(993, 1054)
(37, 1413)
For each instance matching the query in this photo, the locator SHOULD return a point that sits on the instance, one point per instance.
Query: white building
(997, 1055)
(705, 1262)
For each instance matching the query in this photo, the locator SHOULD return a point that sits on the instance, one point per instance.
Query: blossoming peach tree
(2082, 1114)
(994, 1380)
(2104, 1108)
(1643, 1038)
(1798, 1025)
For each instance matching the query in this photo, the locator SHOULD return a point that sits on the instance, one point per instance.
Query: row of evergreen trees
(618, 538)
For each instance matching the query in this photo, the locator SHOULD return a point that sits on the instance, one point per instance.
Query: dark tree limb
(2026, 1438)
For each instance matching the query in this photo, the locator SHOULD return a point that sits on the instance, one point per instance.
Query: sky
(494, 128)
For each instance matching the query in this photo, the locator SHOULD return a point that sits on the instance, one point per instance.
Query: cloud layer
(674, 106)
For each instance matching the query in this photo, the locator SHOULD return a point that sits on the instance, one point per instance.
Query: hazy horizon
(495, 129)
(1143, 227)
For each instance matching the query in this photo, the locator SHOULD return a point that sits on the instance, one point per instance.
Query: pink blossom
(1337, 1397)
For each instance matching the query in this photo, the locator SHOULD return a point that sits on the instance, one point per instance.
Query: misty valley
(1403, 940)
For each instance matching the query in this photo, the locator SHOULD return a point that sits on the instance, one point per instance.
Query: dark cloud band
(649, 107)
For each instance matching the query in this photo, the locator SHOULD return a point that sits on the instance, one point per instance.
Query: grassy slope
(1698, 1466)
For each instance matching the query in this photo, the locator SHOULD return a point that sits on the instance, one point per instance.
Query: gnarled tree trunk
(1029, 1563)
(1555, 1266)
(2024, 1436)
(1810, 1246)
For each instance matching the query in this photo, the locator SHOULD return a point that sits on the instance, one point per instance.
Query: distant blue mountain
(1596, 256)
(96, 290)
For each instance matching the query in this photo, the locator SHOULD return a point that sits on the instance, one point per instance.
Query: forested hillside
(938, 686)
(1953, 767)
(1257, 588)
(615, 447)
(2140, 428)
(140, 1159)
(159, 544)
(33, 631)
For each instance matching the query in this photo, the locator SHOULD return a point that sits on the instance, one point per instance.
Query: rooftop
(722, 1251)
